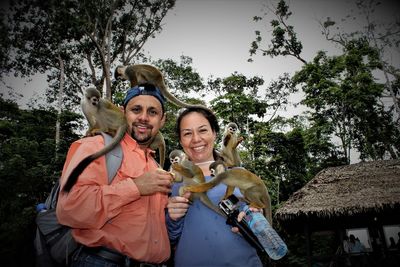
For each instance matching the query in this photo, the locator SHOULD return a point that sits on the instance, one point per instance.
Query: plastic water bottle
(268, 237)
(41, 207)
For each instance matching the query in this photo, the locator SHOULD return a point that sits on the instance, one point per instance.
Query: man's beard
(143, 140)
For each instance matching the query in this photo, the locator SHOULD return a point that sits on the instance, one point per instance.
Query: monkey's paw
(184, 189)
(93, 132)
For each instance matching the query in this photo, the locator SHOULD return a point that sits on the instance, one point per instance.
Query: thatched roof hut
(358, 196)
(357, 189)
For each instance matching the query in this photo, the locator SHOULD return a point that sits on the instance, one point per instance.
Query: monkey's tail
(268, 209)
(203, 187)
(73, 177)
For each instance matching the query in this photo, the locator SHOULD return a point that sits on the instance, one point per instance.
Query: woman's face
(197, 138)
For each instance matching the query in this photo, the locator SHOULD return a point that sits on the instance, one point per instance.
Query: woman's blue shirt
(203, 238)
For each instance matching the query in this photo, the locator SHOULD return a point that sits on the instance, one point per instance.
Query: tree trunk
(59, 100)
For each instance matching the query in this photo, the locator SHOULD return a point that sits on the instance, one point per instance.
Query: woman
(201, 236)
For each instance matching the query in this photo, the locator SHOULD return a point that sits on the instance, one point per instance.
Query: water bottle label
(268, 237)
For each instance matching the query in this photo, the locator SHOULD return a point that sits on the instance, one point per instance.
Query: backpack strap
(113, 158)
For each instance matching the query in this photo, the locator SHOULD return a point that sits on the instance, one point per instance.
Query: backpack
(53, 242)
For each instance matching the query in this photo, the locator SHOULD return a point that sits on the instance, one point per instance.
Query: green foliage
(281, 159)
(297, 253)
(28, 168)
(237, 100)
(284, 40)
(180, 77)
(87, 37)
(345, 106)
(340, 91)
(344, 98)
(5, 44)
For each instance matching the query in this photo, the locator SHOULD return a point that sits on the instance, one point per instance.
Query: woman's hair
(208, 114)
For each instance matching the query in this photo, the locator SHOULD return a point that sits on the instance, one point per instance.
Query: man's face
(145, 117)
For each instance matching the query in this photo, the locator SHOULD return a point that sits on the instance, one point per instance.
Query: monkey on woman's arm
(189, 173)
(250, 185)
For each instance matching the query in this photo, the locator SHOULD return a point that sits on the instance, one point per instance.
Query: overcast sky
(217, 35)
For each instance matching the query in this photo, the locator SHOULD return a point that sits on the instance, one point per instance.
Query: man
(121, 224)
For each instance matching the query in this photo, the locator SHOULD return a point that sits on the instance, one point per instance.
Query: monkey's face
(232, 128)
(92, 96)
(216, 168)
(94, 100)
(174, 160)
(177, 156)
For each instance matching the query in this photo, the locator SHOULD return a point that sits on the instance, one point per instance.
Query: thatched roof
(345, 191)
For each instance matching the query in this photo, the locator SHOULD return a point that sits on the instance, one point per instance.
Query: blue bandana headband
(144, 89)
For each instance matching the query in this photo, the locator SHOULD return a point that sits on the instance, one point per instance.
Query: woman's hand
(178, 206)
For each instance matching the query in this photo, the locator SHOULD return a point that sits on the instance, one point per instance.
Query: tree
(384, 37)
(89, 36)
(279, 159)
(54, 36)
(284, 40)
(28, 170)
(343, 95)
(5, 45)
(342, 88)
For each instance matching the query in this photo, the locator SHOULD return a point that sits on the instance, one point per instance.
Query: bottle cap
(40, 207)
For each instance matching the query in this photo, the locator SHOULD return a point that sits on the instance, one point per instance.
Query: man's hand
(154, 181)
(178, 206)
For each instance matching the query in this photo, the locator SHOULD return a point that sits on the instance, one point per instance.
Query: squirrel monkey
(187, 172)
(177, 156)
(230, 141)
(250, 185)
(158, 142)
(141, 73)
(103, 116)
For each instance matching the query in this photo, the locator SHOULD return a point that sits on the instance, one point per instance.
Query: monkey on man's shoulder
(102, 116)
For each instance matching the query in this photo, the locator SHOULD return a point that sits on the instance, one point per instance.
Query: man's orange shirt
(116, 215)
